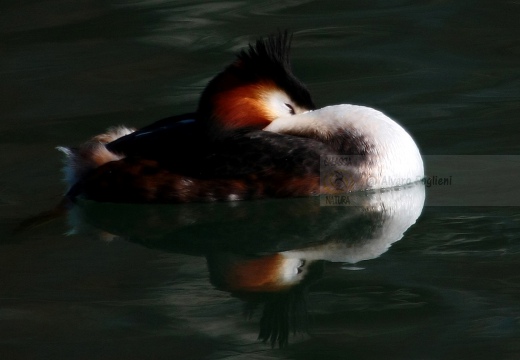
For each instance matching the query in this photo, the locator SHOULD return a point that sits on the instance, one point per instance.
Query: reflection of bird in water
(279, 283)
(270, 260)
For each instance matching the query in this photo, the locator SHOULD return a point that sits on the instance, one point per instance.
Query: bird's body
(252, 136)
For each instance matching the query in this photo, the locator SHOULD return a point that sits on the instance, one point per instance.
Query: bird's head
(255, 89)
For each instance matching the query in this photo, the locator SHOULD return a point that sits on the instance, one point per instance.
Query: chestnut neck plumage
(242, 95)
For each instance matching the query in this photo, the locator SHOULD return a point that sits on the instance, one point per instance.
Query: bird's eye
(291, 109)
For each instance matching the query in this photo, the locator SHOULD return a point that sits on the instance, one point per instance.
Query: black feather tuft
(272, 51)
(267, 59)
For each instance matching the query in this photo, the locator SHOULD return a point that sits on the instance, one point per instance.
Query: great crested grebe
(253, 136)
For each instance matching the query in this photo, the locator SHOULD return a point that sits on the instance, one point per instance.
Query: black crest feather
(266, 59)
(272, 51)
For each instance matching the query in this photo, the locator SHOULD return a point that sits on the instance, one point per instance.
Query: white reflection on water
(242, 259)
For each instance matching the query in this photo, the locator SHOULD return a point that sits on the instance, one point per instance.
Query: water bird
(255, 134)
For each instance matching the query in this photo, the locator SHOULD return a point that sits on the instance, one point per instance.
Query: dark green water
(449, 289)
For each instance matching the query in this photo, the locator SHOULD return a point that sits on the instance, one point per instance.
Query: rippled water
(185, 284)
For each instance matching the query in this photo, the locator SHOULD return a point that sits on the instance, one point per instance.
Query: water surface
(448, 289)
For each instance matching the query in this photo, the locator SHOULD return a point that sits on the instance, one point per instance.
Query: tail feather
(91, 154)
(78, 162)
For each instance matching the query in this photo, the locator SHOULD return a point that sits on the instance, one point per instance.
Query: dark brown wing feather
(241, 166)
